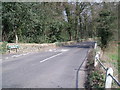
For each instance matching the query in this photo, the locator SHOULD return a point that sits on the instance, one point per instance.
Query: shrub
(3, 47)
(58, 44)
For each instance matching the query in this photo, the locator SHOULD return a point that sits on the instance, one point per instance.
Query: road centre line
(50, 57)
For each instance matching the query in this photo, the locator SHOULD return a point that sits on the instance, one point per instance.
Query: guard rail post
(108, 81)
(95, 61)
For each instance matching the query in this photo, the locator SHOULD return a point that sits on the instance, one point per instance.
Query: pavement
(55, 68)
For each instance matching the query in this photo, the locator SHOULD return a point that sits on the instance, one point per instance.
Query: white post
(95, 46)
(95, 61)
(108, 82)
(96, 56)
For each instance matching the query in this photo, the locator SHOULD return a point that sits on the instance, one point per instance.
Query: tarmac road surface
(55, 68)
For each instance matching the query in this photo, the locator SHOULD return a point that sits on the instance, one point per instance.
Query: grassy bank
(110, 59)
(96, 75)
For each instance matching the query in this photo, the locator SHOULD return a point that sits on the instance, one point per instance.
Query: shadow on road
(81, 45)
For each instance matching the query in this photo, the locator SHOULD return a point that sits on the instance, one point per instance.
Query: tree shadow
(81, 45)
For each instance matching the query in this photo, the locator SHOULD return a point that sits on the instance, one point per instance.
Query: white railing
(109, 71)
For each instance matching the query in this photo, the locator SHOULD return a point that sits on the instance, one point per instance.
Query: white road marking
(50, 50)
(64, 50)
(50, 57)
(14, 56)
(6, 58)
(58, 50)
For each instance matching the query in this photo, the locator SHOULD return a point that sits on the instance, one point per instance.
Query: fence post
(95, 45)
(108, 82)
(95, 61)
(96, 56)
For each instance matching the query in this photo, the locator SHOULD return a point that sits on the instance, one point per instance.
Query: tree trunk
(16, 38)
(70, 35)
(76, 20)
(80, 29)
(76, 28)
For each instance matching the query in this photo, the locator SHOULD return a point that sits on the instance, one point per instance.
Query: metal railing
(117, 82)
(101, 64)
(109, 71)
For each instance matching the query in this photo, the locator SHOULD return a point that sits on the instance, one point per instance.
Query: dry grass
(110, 59)
(96, 76)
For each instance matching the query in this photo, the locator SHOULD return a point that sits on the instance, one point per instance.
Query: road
(50, 69)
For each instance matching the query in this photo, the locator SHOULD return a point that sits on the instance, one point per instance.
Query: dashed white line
(50, 57)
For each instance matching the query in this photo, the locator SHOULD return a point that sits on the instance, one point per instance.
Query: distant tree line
(48, 22)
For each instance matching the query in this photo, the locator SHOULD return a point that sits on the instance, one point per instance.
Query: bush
(95, 78)
(105, 32)
(58, 44)
(3, 47)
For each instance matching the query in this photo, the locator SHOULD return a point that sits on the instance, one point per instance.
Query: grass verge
(96, 75)
(110, 59)
(95, 78)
